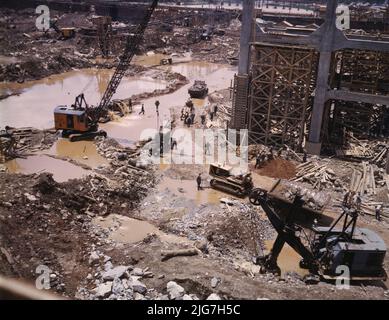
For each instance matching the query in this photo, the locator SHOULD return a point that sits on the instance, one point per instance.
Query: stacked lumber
(318, 175)
(381, 156)
(363, 181)
(367, 178)
(372, 151)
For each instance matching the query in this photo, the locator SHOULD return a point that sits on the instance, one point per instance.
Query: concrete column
(328, 32)
(246, 36)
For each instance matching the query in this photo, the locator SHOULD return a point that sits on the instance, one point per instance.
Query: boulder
(175, 291)
(93, 258)
(104, 290)
(137, 272)
(214, 282)
(137, 286)
(116, 272)
(118, 287)
(213, 296)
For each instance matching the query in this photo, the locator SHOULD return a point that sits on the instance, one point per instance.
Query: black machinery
(325, 248)
(224, 179)
(80, 121)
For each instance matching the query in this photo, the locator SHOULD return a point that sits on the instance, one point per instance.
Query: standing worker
(215, 109)
(207, 148)
(192, 116)
(202, 116)
(199, 182)
(358, 201)
(345, 198)
(305, 156)
(142, 110)
(378, 212)
(258, 160)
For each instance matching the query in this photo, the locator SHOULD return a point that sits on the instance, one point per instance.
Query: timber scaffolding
(308, 86)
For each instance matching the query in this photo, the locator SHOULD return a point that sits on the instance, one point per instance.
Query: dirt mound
(278, 168)
(43, 222)
(46, 183)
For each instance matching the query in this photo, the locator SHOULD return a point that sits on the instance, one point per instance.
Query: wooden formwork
(367, 72)
(280, 95)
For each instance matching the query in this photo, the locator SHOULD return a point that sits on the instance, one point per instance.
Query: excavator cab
(68, 33)
(67, 118)
(77, 122)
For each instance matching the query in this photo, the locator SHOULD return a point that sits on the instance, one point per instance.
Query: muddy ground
(29, 54)
(120, 216)
(82, 228)
(53, 224)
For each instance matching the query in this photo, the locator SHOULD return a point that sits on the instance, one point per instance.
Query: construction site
(114, 116)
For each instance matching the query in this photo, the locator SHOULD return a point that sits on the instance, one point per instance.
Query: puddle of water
(151, 59)
(288, 259)
(62, 170)
(35, 106)
(81, 151)
(130, 127)
(128, 230)
(188, 189)
(154, 59)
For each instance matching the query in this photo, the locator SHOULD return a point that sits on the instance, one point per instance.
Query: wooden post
(387, 160)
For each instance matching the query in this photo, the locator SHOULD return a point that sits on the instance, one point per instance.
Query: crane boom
(132, 43)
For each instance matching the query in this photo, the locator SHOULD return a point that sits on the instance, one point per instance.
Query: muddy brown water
(288, 260)
(130, 127)
(62, 170)
(84, 152)
(34, 106)
(188, 189)
(129, 230)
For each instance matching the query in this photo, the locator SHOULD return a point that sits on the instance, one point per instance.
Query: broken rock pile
(126, 283)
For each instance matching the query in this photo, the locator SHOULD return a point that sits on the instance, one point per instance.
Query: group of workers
(188, 114)
(142, 109)
(353, 199)
(263, 156)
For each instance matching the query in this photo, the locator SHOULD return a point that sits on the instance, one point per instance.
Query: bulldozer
(230, 180)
